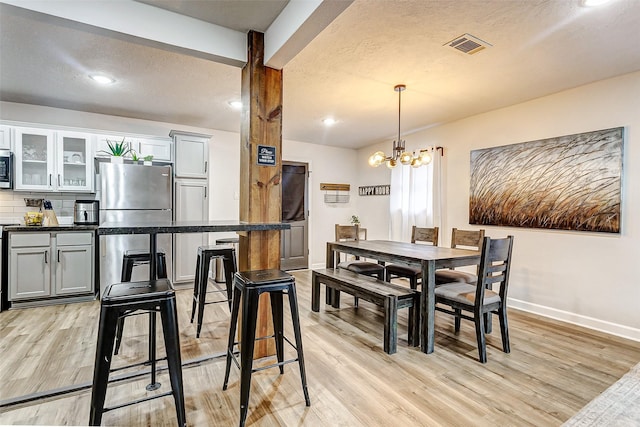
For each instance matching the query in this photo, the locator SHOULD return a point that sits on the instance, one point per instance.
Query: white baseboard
(577, 319)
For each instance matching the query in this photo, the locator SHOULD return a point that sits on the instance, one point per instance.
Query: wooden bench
(383, 294)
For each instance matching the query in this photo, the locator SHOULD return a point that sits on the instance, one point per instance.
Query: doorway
(294, 243)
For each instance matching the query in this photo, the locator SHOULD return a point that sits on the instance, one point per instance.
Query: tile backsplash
(13, 207)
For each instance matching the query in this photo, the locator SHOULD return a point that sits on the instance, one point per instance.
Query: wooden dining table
(429, 258)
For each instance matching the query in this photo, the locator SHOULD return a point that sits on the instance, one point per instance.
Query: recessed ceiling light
(593, 3)
(102, 79)
(236, 105)
(329, 121)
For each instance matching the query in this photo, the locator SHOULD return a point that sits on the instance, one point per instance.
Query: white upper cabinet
(53, 161)
(5, 138)
(192, 154)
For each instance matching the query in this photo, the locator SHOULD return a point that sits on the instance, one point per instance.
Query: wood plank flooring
(553, 370)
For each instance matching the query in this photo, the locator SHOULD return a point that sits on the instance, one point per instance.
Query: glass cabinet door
(74, 162)
(34, 159)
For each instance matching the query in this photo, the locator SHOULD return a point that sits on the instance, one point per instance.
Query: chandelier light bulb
(416, 162)
(425, 157)
(376, 159)
(391, 163)
(405, 158)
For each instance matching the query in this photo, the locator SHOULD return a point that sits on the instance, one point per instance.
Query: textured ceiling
(348, 71)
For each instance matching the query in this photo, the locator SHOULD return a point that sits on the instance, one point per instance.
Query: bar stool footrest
(134, 402)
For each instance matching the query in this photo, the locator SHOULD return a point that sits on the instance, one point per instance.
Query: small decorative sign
(266, 155)
(374, 190)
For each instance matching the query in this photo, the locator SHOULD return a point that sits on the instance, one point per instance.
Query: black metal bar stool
(228, 241)
(124, 298)
(132, 259)
(247, 287)
(201, 282)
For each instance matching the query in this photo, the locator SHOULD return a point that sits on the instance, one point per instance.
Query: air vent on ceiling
(468, 44)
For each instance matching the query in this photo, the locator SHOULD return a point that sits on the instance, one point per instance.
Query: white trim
(577, 319)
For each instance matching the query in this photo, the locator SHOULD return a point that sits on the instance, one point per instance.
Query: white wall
(586, 278)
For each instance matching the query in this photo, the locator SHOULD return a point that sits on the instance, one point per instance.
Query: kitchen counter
(161, 227)
(40, 228)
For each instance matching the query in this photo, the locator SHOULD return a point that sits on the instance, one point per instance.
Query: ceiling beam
(298, 24)
(167, 30)
(295, 27)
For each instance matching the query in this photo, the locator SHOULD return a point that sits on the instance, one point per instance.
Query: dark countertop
(40, 228)
(187, 227)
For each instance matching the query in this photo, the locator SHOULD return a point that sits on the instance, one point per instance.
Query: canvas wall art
(571, 182)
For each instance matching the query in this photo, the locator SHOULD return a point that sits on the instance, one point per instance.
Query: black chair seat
(404, 270)
(449, 276)
(363, 267)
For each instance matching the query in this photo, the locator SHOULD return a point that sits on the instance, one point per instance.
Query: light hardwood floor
(553, 370)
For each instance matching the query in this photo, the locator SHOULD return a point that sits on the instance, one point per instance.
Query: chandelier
(399, 153)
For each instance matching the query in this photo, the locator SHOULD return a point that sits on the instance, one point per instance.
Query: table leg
(330, 262)
(428, 306)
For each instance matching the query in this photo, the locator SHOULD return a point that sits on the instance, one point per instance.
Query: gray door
(294, 243)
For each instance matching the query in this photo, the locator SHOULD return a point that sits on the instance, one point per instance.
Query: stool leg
(247, 343)
(169, 316)
(162, 267)
(237, 295)
(119, 329)
(203, 282)
(195, 289)
(278, 320)
(127, 269)
(102, 364)
(295, 317)
(230, 269)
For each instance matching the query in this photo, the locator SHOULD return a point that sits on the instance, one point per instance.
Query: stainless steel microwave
(6, 169)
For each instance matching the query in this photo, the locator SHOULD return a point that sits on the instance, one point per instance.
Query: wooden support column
(260, 172)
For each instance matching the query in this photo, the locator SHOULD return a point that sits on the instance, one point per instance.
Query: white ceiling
(347, 71)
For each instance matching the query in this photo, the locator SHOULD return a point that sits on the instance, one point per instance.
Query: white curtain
(416, 198)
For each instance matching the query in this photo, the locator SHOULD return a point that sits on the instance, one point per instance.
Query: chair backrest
(495, 265)
(471, 239)
(347, 232)
(421, 234)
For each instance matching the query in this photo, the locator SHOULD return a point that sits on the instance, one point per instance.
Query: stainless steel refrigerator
(132, 193)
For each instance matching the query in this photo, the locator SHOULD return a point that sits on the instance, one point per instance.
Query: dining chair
(345, 233)
(480, 299)
(418, 234)
(461, 239)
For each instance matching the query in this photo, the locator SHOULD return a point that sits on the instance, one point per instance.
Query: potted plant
(117, 150)
(355, 220)
(134, 156)
(148, 159)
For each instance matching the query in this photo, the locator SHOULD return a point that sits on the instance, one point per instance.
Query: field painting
(570, 182)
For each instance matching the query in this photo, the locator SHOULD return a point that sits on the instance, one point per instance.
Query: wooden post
(260, 172)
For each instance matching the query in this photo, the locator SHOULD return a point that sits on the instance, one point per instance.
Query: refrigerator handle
(205, 166)
(205, 192)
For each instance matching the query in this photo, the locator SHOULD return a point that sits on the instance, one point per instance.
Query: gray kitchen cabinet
(46, 265)
(191, 204)
(191, 154)
(29, 265)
